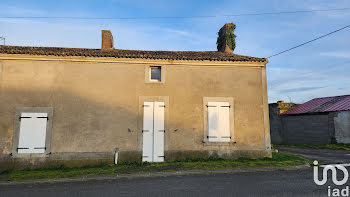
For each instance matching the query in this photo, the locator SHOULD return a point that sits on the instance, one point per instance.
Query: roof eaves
(118, 53)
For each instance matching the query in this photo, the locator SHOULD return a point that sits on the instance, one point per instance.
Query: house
(75, 106)
(318, 121)
(275, 109)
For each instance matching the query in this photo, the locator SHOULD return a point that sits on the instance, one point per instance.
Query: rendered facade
(79, 106)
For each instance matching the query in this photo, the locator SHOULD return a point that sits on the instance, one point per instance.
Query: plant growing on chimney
(226, 37)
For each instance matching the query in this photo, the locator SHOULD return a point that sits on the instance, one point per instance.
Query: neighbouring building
(75, 106)
(318, 121)
(275, 109)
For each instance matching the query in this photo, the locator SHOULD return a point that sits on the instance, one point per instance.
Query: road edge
(155, 174)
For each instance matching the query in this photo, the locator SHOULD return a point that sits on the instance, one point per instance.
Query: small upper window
(155, 73)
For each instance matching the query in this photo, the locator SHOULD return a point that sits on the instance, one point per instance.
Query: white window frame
(148, 71)
(150, 74)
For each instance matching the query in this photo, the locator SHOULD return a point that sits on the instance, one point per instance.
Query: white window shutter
(219, 122)
(147, 144)
(224, 122)
(213, 122)
(32, 135)
(158, 155)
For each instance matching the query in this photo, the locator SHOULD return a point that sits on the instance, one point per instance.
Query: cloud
(300, 84)
(86, 34)
(339, 14)
(179, 32)
(324, 5)
(7, 10)
(341, 54)
(300, 89)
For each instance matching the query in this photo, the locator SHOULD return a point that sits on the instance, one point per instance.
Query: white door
(32, 133)
(147, 145)
(153, 132)
(158, 132)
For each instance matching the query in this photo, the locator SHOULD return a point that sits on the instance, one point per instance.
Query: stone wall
(318, 128)
(305, 129)
(342, 127)
(283, 107)
(275, 124)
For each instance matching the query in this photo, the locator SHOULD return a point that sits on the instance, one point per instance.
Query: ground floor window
(218, 114)
(219, 122)
(32, 133)
(32, 130)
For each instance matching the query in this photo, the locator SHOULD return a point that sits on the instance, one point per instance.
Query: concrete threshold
(155, 174)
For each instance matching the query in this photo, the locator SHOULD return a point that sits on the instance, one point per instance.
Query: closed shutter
(147, 144)
(32, 135)
(224, 122)
(213, 122)
(159, 131)
(219, 122)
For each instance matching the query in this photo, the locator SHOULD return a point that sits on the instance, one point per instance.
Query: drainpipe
(116, 154)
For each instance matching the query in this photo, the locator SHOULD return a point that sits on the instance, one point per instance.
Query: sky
(319, 69)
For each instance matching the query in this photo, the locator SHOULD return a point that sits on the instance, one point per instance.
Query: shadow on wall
(84, 125)
(84, 131)
(79, 124)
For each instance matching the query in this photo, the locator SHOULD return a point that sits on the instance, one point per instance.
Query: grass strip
(278, 160)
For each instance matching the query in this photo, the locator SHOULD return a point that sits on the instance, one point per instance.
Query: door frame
(142, 99)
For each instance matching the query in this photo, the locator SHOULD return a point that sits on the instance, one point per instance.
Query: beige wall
(96, 104)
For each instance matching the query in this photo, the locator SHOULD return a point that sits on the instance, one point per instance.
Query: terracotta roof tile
(118, 53)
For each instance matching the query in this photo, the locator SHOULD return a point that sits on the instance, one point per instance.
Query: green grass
(278, 160)
(335, 146)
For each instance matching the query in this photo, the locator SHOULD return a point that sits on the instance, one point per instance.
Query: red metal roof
(341, 105)
(325, 104)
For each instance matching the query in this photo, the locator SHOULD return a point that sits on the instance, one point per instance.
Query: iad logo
(333, 168)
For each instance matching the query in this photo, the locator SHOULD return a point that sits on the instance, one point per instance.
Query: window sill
(155, 82)
(218, 143)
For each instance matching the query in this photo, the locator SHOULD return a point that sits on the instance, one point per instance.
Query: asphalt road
(277, 183)
(326, 156)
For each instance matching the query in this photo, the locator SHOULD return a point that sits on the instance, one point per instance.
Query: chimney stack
(107, 39)
(226, 38)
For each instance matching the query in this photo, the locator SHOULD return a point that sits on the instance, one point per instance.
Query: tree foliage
(226, 36)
